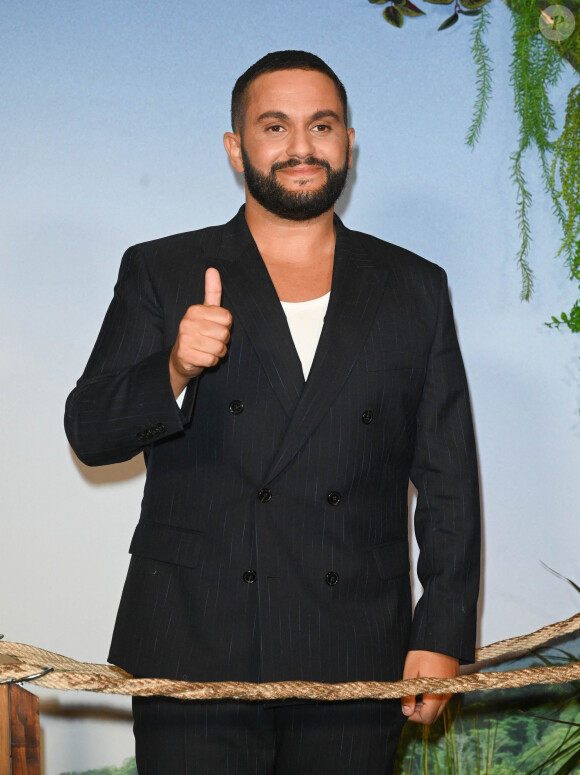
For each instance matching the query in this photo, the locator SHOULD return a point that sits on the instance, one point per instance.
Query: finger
(443, 699)
(209, 328)
(429, 709)
(408, 705)
(213, 288)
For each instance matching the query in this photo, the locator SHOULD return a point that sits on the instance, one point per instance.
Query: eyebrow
(281, 116)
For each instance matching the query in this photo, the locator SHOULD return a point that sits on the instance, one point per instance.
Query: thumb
(213, 288)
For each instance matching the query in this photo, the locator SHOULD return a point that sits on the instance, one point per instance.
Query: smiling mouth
(302, 170)
(302, 174)
(307, 166)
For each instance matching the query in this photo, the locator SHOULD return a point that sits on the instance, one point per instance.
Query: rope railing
(20, 662)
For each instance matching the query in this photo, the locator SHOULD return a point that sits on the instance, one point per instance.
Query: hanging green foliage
(396, 10)
(571, 319)
(565, 181)
(565, 176)
(483, 80)
(546, 33)
(536, 66)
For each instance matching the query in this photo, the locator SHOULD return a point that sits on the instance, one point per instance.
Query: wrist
(179, 378)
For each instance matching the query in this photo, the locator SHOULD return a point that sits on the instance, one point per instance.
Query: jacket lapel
(358, 284)
(251, 297)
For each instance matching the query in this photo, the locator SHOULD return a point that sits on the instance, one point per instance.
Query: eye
(275, 128)
(321, 128)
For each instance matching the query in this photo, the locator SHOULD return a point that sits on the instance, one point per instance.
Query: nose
(300, 144)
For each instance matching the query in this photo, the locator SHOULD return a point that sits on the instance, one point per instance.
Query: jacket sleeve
(124, 402)
(447, 516)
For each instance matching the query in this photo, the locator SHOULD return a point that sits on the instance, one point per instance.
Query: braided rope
(22, 662)
(528, 642)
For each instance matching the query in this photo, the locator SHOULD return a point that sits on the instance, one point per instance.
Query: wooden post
(19, 731)
(5, 764)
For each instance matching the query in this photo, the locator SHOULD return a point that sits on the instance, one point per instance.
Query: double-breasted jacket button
(249, 576)
(265, 495)
(367, 416)
(333, 498)
(331, 578)
(236, 407)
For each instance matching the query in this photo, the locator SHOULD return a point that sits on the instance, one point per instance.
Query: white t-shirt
(305, 320)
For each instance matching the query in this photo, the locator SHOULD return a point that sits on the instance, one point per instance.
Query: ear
(233, 146)
(350, 133)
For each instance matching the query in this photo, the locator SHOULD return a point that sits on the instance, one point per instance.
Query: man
(318, 370)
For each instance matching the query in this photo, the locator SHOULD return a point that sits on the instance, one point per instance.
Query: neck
(295, 242)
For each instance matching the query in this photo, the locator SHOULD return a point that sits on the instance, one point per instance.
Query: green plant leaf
(378, 2)
(440, 2)
(473, 12)
(408, 9)
(473, 3)
(393, 15)
(449, 22)
(547, 567)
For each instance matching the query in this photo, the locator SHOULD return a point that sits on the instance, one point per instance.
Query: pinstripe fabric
(386, 399)
(224, 738)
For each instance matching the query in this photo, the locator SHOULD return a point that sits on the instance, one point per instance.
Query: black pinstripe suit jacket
(327, 539)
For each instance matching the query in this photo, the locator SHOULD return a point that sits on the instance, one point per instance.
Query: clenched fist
(427, 664)
(203, 335)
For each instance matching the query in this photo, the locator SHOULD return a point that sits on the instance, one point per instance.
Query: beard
(295, 205)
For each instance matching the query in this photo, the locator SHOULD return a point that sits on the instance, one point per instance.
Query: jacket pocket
(157, 541)
(392, 559)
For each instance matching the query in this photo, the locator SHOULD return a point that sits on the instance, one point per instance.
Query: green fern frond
(536, 66)
(524, 201)
(483, 80)
(565, 173)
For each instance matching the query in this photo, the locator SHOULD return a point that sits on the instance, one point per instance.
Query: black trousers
(175, 737)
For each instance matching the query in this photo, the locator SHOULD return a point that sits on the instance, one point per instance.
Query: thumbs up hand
(203, 334)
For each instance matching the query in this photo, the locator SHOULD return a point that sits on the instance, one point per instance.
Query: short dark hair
(271, 63)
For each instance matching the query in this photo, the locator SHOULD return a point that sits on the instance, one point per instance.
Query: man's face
(294, 148)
